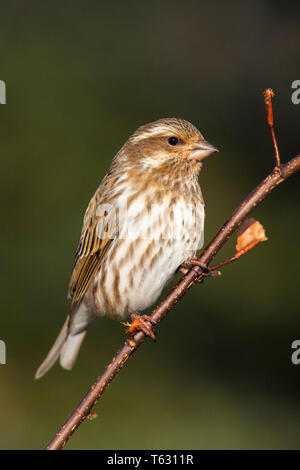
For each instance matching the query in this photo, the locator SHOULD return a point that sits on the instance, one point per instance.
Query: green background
(82, 76)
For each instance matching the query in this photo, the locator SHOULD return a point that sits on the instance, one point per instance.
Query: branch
(279, 174)
(268, 100)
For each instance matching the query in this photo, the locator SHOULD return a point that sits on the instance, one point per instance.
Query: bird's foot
(206, 271)
(142, 323)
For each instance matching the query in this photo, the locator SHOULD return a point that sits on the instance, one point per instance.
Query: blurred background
(80, 77)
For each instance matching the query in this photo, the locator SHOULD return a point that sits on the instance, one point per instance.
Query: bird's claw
(206, 271)
(142, 323)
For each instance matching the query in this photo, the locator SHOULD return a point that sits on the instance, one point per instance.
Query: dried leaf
(251, 233)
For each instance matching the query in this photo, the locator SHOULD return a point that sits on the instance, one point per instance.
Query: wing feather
(97, 234)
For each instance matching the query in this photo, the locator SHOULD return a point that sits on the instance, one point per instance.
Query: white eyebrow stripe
(156, 131)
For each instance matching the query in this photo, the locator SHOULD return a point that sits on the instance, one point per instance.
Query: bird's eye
(173, 140)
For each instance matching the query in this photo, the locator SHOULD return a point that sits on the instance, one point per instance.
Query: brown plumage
(145, 219)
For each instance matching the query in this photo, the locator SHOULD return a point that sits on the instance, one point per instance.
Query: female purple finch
(145, 220)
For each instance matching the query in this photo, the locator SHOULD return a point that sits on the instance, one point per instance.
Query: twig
(251, 233)
(235, 257)
(269, 94)
(280, 173)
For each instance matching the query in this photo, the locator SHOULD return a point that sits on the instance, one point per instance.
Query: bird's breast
(156, 235)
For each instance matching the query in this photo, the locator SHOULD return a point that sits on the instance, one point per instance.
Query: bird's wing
(99, 229)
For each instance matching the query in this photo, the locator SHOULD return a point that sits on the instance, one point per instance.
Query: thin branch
(196, 273)
(251, 233)
(235, 257)
(269, 94)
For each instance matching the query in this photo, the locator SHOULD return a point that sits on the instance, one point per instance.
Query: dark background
(82, 76)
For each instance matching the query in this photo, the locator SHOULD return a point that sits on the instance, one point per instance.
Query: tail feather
(70, 350)
(68, 342)
(66, 348)
(54, 352)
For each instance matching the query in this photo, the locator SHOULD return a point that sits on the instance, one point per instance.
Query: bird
(144, 222)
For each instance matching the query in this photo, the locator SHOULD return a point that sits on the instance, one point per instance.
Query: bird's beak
(201, 150)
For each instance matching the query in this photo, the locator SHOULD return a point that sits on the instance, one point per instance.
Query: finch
(144, 221)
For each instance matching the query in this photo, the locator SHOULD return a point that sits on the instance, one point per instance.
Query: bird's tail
(68, 342)
(66, 348)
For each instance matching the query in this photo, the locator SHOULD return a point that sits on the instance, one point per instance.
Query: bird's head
(167, 141)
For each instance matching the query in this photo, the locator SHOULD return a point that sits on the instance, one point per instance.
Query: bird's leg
(142, 323)
(206, 271)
